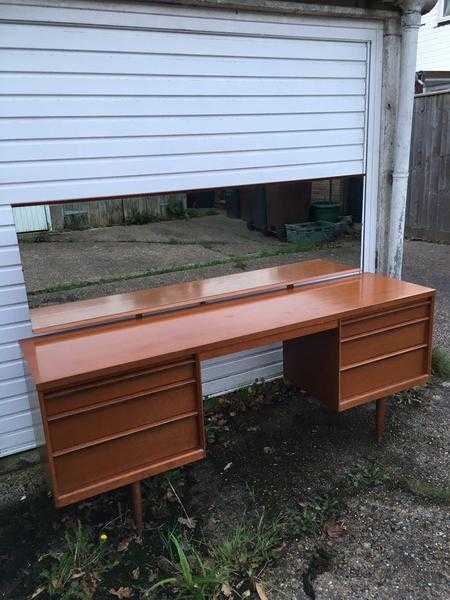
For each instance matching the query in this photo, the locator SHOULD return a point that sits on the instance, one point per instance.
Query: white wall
(16, 415)
(433, 53)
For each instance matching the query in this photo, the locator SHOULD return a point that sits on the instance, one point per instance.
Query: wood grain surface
(71, 315)
(61, 359)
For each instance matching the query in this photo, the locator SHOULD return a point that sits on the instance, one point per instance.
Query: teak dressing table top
(66, 358)
(57, 318)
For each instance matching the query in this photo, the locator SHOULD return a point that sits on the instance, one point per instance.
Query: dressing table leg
(380, 418)
(136, 498)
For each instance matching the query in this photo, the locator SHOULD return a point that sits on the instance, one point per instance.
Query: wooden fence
(113, 211)
(428, 206)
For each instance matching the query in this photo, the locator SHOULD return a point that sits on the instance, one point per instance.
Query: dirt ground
(355, 520)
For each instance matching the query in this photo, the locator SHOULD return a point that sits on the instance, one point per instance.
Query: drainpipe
(410, 23)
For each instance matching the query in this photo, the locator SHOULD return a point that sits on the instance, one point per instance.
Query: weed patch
(74, 570)
(427, 491)
(440, 362)
(313, 515)
(192, 548)
(201, 571)
(414, 397)
(193, 577)
(367, 475)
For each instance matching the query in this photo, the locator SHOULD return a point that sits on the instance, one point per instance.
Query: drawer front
(101, 422)
(386, 342)
(116, 387)
(383, 373)
(95, 464)
(385, 319)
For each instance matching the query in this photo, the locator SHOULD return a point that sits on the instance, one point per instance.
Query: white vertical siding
(433, 51)
(104, 99)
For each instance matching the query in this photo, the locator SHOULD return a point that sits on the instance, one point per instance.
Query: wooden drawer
(117, 387)
(383, 373)
(384, 319)
(97, 463)
(123, 415)
(377, 344)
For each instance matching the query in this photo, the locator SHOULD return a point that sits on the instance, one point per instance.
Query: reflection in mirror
(102, 248)
(93, 262)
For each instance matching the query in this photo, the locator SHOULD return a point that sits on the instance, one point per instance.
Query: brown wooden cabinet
(112, 431)
(122, 401)
(365, 358)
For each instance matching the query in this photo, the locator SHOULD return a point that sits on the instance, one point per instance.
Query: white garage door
(112, 99)
(102, 102)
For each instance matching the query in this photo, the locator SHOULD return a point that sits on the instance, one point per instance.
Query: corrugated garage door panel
(16, 431)
(224, 374)
(104, 99)
(167, 99)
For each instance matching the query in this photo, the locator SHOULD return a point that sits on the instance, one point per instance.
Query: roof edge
(292, 8)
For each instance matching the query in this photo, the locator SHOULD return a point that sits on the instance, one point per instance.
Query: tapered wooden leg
(136, 498)
(380, 418)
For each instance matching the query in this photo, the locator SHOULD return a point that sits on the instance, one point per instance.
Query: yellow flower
(103, 537)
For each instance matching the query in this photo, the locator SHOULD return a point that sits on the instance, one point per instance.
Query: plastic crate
(312, 231)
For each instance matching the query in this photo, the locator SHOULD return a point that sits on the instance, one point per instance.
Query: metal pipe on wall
(410, 23)
(391, 66)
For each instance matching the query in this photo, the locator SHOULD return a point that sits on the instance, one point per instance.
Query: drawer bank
(118, 378)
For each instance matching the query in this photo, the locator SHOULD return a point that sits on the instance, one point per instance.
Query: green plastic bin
(325, 211)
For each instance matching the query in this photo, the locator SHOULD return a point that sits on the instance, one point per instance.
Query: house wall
(52, 123)
(433, 52)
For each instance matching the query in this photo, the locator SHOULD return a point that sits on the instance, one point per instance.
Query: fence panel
(428, 207)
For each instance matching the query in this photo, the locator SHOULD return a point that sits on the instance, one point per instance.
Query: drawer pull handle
(103, 382)
(98, 405)
(383, 357)
(386, 312)
(383, 329)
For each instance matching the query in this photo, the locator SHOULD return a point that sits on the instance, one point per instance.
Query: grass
(201, 571)
(248, 547)
(73, 571)
(193, 576)
(440, 362)
(182, 563)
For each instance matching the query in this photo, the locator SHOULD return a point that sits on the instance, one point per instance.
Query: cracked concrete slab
(394, 548)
